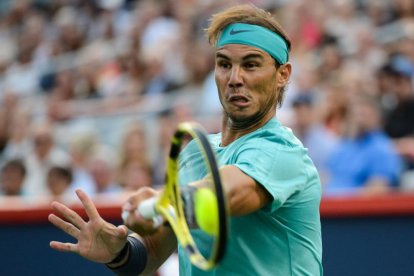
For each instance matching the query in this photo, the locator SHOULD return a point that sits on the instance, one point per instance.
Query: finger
(69, 214)
(134, 200)
(64, 247)
(90, 208)
(64, 226)
(124, 215)
(122, 230)
(128, 209)
(127, 206)
(135, 219)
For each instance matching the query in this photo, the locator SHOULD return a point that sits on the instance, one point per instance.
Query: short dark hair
(15, 164)
(62, 172)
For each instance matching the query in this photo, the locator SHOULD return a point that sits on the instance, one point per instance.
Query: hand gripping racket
(197, 214)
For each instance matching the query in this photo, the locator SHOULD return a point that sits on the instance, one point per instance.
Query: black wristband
(121, 254)
(137, 259)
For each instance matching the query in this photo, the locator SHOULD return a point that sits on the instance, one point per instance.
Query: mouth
(238, 100)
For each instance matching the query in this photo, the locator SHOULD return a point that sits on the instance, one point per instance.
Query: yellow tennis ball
(206, 210)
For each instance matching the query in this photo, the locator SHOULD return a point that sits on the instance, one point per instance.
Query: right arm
(153, 250)
(159, 243)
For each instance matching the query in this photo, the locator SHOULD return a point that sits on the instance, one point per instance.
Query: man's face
(43, 144)
(246, 79)
(11, 180)
(304, 114)
(363, 117)
(402, 87)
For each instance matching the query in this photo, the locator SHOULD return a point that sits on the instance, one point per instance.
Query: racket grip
(147, 210)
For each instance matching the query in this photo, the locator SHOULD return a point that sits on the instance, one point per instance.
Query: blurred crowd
(91, 90)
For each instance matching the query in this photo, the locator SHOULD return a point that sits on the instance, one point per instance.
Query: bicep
(244, 194)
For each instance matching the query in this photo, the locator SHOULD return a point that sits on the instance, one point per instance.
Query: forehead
(240, 51)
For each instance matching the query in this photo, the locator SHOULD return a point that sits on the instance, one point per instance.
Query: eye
(224, 64)
(251, 65)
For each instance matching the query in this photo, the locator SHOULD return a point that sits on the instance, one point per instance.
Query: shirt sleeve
(280, 169)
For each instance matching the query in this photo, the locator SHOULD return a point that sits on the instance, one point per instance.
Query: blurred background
(91, 91)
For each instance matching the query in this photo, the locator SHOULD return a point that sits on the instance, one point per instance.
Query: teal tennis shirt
(284, 237)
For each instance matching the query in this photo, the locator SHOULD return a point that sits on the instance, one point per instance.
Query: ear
(283, 74)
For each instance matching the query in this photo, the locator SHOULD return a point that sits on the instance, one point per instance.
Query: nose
(236, 79)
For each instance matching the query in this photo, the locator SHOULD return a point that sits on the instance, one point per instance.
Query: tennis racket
(197, 214)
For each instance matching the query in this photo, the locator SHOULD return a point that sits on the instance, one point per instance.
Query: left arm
(244, 194)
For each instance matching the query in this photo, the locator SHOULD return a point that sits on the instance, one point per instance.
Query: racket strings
(187, 196)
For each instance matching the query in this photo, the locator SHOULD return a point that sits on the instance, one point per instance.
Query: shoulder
(275, 149)
(273, 136)
(192, 148)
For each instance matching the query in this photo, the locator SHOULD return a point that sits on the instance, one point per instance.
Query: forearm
(159, 247)
(132, 259)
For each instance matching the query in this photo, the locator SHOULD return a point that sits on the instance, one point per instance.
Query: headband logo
(233, 32)
(256, 36)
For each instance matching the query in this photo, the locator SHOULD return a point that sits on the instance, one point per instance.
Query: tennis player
(271, 184)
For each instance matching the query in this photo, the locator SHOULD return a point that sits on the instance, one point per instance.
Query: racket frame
(170, 205)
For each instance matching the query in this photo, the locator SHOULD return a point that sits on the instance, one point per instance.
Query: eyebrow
(246, 57)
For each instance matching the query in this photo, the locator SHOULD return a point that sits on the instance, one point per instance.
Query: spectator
(365, 162)
(135, 169)
(82, 146)
(102, 167)
(7, 114)
(18, 144)
(400, 120)
(92, 58)
(134, 143)
(161, 48)
(4, 136)
(21, 78)
(44, 155)
(334, 107)
(158, 82)
(331, 58)
(135, 174)
(12, 178)
(59, 180)
(314, 135)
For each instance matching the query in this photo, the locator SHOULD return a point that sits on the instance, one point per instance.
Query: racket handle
(147, 208)
(147, 211)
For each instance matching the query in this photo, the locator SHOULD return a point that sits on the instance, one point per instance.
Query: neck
(233, 130)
